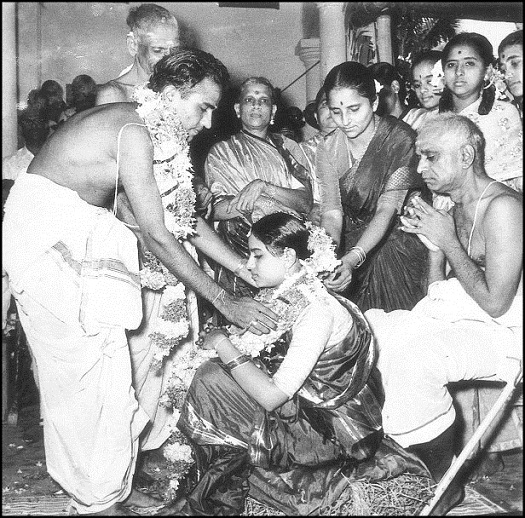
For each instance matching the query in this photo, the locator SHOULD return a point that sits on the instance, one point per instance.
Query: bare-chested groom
(73, 267)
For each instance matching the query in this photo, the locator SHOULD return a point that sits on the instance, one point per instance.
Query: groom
(73, 269)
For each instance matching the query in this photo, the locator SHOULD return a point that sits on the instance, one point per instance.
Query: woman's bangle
(361, 254)
(269, 189)
(238, 361)
(240, 267)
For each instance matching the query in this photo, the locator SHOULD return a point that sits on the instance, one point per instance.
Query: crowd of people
(351, 277)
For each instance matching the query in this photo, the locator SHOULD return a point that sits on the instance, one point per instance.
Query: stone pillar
(332, 34)
(384, 38)
(9, 79)
(309, 53)
(29, 48)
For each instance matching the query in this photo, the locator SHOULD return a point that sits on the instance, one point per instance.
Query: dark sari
(301, 456)
(394, 273)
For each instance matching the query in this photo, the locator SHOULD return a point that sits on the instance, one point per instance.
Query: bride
(292, 416)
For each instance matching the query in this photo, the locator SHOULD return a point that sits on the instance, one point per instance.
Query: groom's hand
(247, 313)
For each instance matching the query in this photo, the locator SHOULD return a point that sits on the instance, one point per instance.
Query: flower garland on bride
(288, 301)
(173, 173)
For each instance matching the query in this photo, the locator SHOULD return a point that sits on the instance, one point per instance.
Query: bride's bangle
(238, 361)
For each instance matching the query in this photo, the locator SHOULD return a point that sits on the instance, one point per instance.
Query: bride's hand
(213, 338)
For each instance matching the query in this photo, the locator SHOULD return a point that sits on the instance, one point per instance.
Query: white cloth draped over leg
(447, 337)
(73, 270)
(151, 384)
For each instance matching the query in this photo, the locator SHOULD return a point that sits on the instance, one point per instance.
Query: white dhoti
(73, 270)
(446, 338)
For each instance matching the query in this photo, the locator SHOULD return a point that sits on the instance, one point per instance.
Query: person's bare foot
(139, 499)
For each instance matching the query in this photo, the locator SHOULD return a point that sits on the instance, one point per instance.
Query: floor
(25, 478)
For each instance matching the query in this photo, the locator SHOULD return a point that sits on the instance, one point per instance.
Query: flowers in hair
(438, 77)
(322, 246)
(497, 78)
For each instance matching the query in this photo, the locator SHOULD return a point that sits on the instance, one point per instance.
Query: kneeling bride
(294, 416)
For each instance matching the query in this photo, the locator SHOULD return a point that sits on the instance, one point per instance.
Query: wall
(89, 38)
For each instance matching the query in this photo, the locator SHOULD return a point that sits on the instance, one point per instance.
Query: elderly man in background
(154, 33)
(74, 272)
(469, 326)
(254, 173)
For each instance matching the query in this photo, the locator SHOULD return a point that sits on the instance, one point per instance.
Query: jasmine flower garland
(173, 174)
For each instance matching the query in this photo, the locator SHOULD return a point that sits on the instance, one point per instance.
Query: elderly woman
(254, 173)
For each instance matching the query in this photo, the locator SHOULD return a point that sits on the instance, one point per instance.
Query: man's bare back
(82, 154)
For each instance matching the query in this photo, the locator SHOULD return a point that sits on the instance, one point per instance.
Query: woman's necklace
(357, 156)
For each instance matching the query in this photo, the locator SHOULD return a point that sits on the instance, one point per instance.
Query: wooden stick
(478, 434)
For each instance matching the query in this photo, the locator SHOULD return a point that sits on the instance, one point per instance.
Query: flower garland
(173, 173)
(287, 300)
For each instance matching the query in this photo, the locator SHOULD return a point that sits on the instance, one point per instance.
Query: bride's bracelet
(238, 361)
(361, 254)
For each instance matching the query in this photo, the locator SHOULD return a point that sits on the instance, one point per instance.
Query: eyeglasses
(263, 101)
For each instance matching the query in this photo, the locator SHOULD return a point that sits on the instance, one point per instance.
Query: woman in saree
(366, 172)
(253, 173)
(293, 417)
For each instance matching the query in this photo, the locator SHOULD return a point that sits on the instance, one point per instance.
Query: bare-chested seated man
(154, 33)
(74, 272)
(469, 326)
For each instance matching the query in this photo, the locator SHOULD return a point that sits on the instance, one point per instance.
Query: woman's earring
(271, 121)
(487, 83)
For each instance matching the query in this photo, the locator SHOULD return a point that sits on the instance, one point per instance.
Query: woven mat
(41, 505)
(474, 504)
